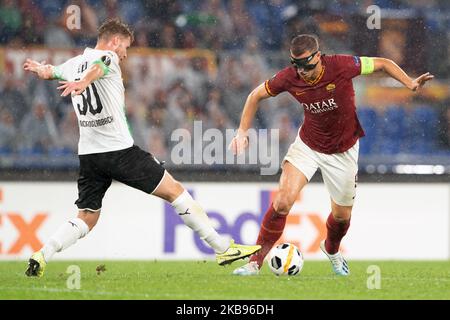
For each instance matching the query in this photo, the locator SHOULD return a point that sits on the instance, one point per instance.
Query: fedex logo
(27, 232)
(312, 220)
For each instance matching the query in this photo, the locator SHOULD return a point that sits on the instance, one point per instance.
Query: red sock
(271, 230)
(336, 231)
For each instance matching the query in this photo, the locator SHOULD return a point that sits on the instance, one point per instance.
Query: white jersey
(101, 107)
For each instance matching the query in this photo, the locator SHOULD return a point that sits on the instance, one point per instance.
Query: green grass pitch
(205, 280)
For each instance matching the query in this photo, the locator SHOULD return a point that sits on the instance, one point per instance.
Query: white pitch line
(121, 294)
(80, 291)
(414, 279)
(333, 277)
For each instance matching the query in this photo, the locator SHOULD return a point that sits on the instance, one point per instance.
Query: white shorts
(339, 170)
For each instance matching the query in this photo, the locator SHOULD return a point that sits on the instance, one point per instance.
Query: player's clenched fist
(239, 143)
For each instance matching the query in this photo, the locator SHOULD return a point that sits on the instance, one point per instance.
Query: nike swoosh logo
(238, 253)
(300, 93)
(185, 213)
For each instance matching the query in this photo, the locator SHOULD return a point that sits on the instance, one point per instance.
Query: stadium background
(198, 60)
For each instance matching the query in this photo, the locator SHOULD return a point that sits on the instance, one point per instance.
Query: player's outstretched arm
(240, 141)
(77, 87)
(392, 69)
(43, 71)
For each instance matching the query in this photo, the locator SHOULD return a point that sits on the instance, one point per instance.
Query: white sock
(195, 218)
(66, 236)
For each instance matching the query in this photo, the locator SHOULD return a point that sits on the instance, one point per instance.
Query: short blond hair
(114, 27)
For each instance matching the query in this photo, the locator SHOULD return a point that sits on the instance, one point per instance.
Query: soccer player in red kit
(328, 139)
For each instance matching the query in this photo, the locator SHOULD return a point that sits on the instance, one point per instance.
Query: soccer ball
(285, 259)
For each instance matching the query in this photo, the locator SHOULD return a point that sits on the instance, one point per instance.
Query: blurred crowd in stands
(250, 40)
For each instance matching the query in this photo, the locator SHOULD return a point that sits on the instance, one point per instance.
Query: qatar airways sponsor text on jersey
(320, 106)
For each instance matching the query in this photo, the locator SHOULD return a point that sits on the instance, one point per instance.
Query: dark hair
(304, 42)
(114, 27)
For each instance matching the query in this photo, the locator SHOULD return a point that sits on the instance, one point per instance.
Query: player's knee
(282, 204)
(177, 187)
(169, 188)
(89, 217)
(174, 191)
(342, 214)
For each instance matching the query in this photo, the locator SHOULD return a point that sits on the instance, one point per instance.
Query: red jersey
(331, 124)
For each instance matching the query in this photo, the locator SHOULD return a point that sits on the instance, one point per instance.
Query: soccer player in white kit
(107, 151)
